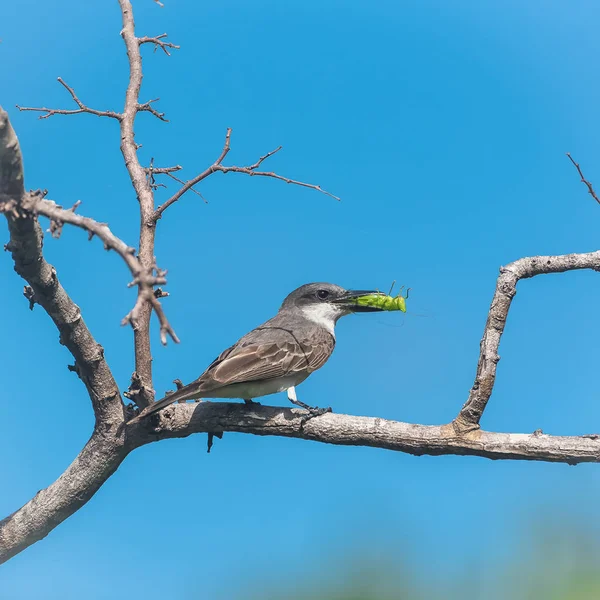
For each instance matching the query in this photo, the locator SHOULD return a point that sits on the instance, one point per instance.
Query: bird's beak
(348, 300)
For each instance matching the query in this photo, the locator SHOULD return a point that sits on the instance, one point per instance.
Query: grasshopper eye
(322, 294)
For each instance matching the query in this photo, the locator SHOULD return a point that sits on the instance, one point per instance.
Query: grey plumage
(279, 354)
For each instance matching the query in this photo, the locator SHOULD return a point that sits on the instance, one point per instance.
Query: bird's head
(325, 303)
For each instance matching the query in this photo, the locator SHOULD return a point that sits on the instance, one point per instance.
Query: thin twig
(144, 278)
(162, 170)
(192, 189)
(249, 170)
(147, 107)
(82, 107)
(158, 43)
(584, 180)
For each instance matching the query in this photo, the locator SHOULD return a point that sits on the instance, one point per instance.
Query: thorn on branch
(584, 180)
(30, 295)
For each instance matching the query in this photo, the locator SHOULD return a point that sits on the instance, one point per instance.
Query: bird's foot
(315, 411)
(248, 401)
(312, 412)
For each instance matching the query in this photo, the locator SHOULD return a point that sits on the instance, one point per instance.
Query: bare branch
(147, 107)
(506, 288)
(152, 170)
(158, 43)
(249, 170)
(26, 242)
(182, 420)
(192, 189)
(144, 278)
(584, 180)
(143, 309)
(82, 107)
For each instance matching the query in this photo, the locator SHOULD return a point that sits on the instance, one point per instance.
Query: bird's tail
(185, 393)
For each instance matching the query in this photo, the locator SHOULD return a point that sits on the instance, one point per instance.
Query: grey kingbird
(279, 354)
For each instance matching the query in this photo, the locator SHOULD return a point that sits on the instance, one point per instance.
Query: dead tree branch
(147, 107)
(159, 42)
(113, 438)
(584, 180)
(82, 107)
(218, 166)
(98, 460)
(506, 288)
(182, 420)
(145, 279)
(25, 245)
(145, 196)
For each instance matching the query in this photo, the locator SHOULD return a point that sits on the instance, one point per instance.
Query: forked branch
(113, 438)
(159, 42)
(506, 287)
(49, 112)
(218, 166)
(145, 278)
(25, 245)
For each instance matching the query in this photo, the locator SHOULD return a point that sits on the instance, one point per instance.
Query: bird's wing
(270, 360)
(251, 361)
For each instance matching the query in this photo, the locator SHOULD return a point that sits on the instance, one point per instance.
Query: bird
(279, 354)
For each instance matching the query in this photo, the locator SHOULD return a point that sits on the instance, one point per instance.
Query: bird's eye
(322, 294)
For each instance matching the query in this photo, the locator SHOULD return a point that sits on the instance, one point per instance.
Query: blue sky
(443, 126)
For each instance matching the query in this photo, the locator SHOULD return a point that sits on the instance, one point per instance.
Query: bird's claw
(311, 413)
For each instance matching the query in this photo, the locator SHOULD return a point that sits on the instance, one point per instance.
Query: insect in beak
(364, 301)
(351, 300)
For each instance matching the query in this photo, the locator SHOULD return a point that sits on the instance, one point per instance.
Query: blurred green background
(555, 558)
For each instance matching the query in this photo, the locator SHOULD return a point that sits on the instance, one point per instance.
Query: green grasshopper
(383, 301)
